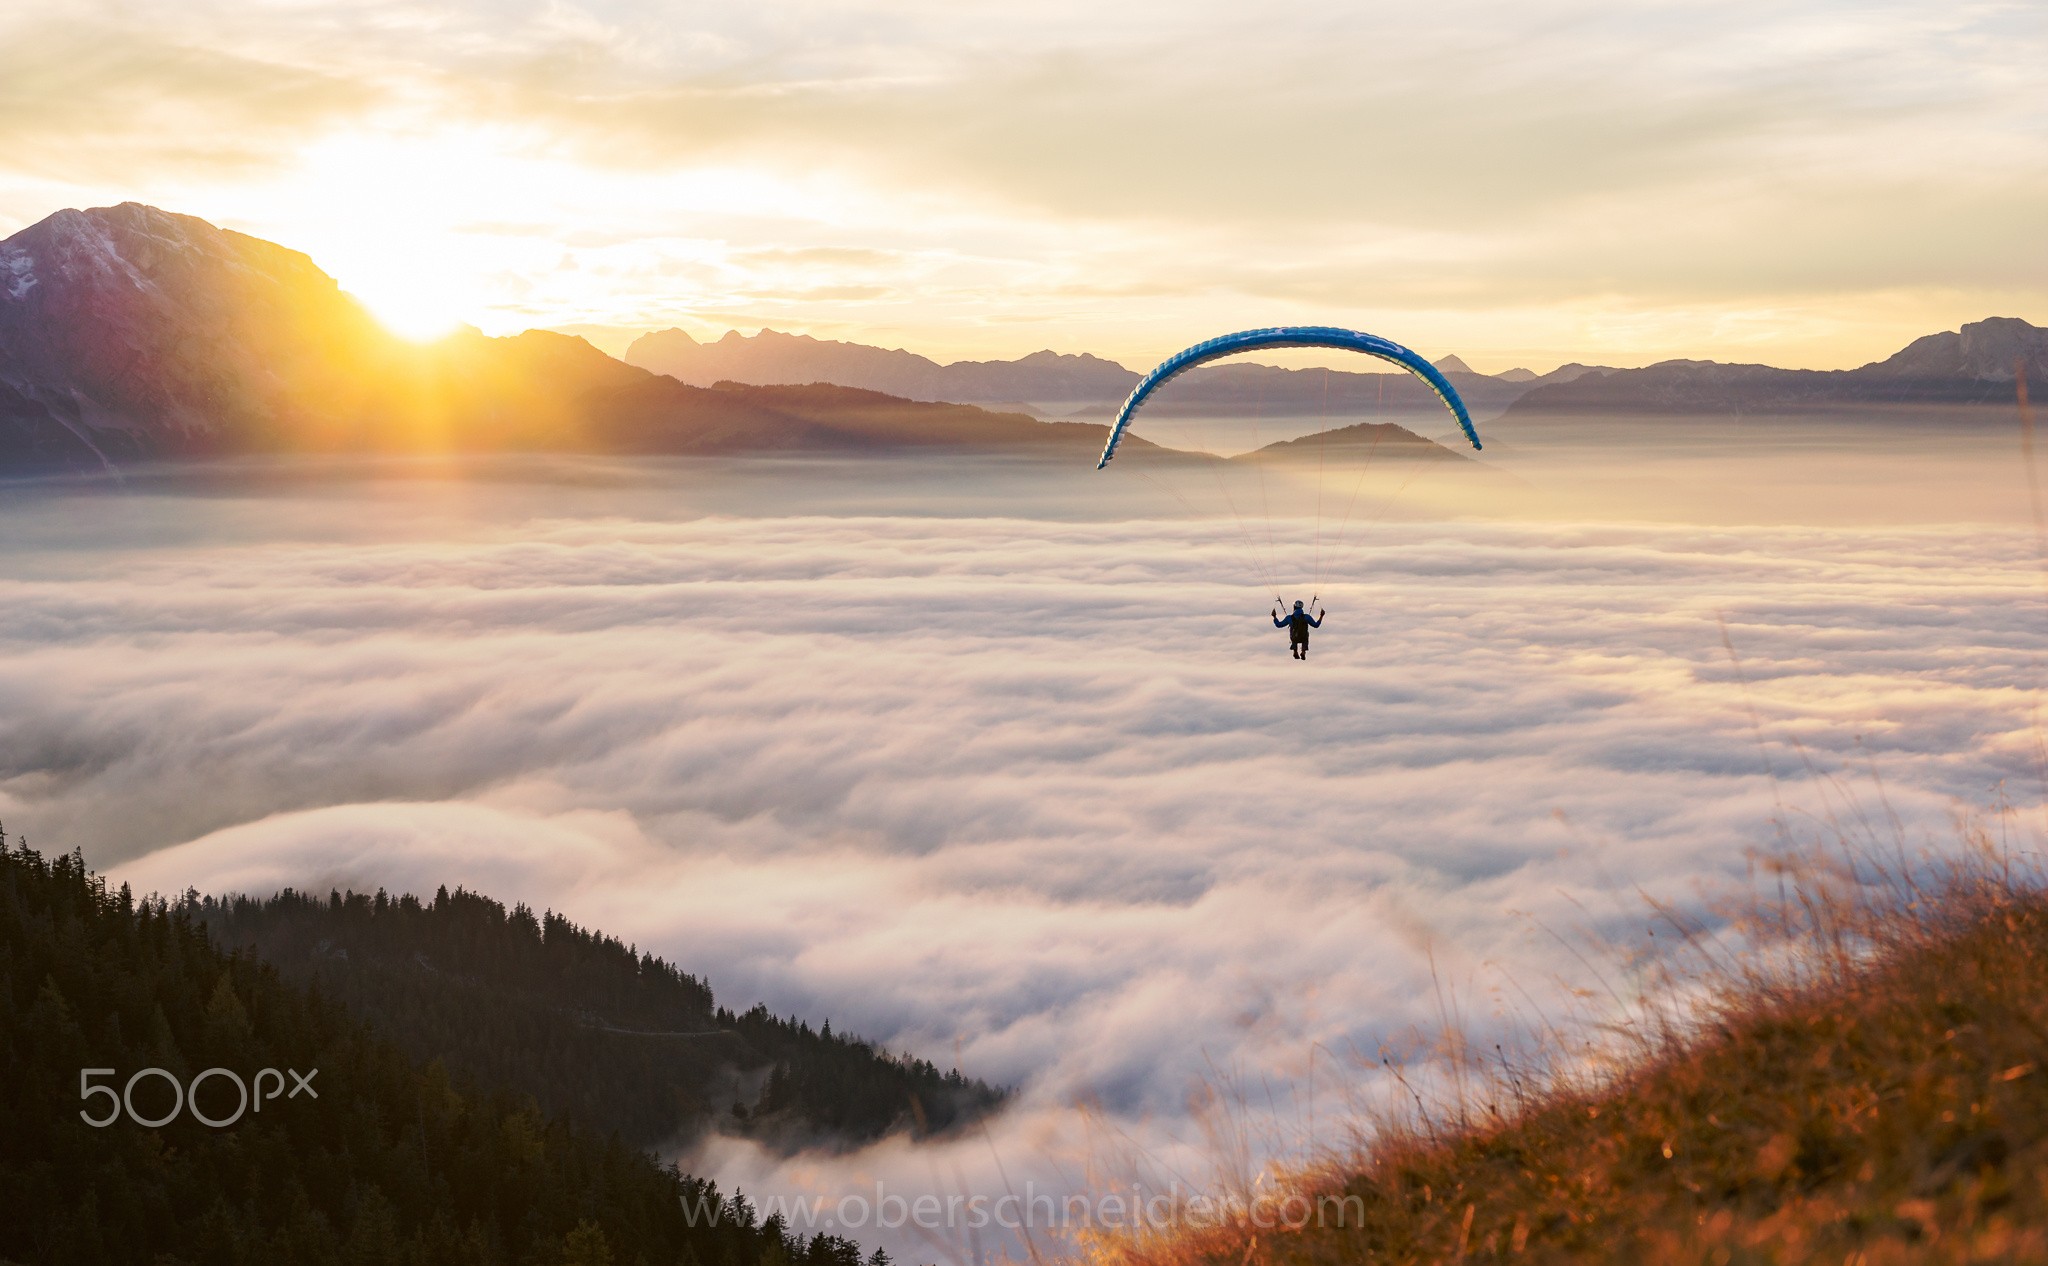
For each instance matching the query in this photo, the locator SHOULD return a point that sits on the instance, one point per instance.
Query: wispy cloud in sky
(1807, 183)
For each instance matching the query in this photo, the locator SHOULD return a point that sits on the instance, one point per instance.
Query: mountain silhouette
(1966, 367)
(772, 358)
(132, 334)
(1052, 383)
(1971, 366)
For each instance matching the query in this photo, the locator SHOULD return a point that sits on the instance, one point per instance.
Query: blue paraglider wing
(1287, 336)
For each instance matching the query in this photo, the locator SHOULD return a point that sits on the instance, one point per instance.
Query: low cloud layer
(1043, 795)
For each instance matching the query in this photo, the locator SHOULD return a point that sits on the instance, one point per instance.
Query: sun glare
(393, 218)
(412, 309)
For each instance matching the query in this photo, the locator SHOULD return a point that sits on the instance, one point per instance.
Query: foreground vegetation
(1874, 1089)
(619, 1041)
(392, 1162)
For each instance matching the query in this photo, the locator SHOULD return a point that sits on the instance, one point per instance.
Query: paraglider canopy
(1287, 336)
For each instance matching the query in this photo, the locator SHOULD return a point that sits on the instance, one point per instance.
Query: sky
(1024, 782)
(1805, 184)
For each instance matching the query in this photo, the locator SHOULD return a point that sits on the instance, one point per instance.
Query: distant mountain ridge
(1971, 366)
(772, 358)
(1055, 383)
(130, 334)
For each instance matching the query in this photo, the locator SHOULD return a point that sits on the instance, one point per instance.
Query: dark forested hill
(376, 1158)
(618, 1040)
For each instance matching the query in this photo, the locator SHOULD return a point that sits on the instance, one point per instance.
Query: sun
(412, 307)
(391, 217)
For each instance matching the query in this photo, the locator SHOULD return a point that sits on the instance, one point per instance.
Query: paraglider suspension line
(1243, 533)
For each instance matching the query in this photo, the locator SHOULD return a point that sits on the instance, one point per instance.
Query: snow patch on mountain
(17, 272)
(89, 244)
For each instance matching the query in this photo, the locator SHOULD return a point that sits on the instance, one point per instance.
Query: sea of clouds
(1034, 791)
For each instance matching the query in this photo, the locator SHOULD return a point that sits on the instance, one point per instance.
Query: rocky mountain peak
(142, 247)
(1984, 350)
(127, 329)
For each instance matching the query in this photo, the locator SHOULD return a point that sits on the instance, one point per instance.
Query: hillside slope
(617, 1041)
(376, 1159)
(1885, 1099)
(1365, 443)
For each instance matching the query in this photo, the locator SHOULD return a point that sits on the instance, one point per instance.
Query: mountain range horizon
(130, 333)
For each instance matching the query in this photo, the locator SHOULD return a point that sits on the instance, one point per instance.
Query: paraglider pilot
(1297, 625)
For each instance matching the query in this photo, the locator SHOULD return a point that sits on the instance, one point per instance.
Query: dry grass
(1866, 1083)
